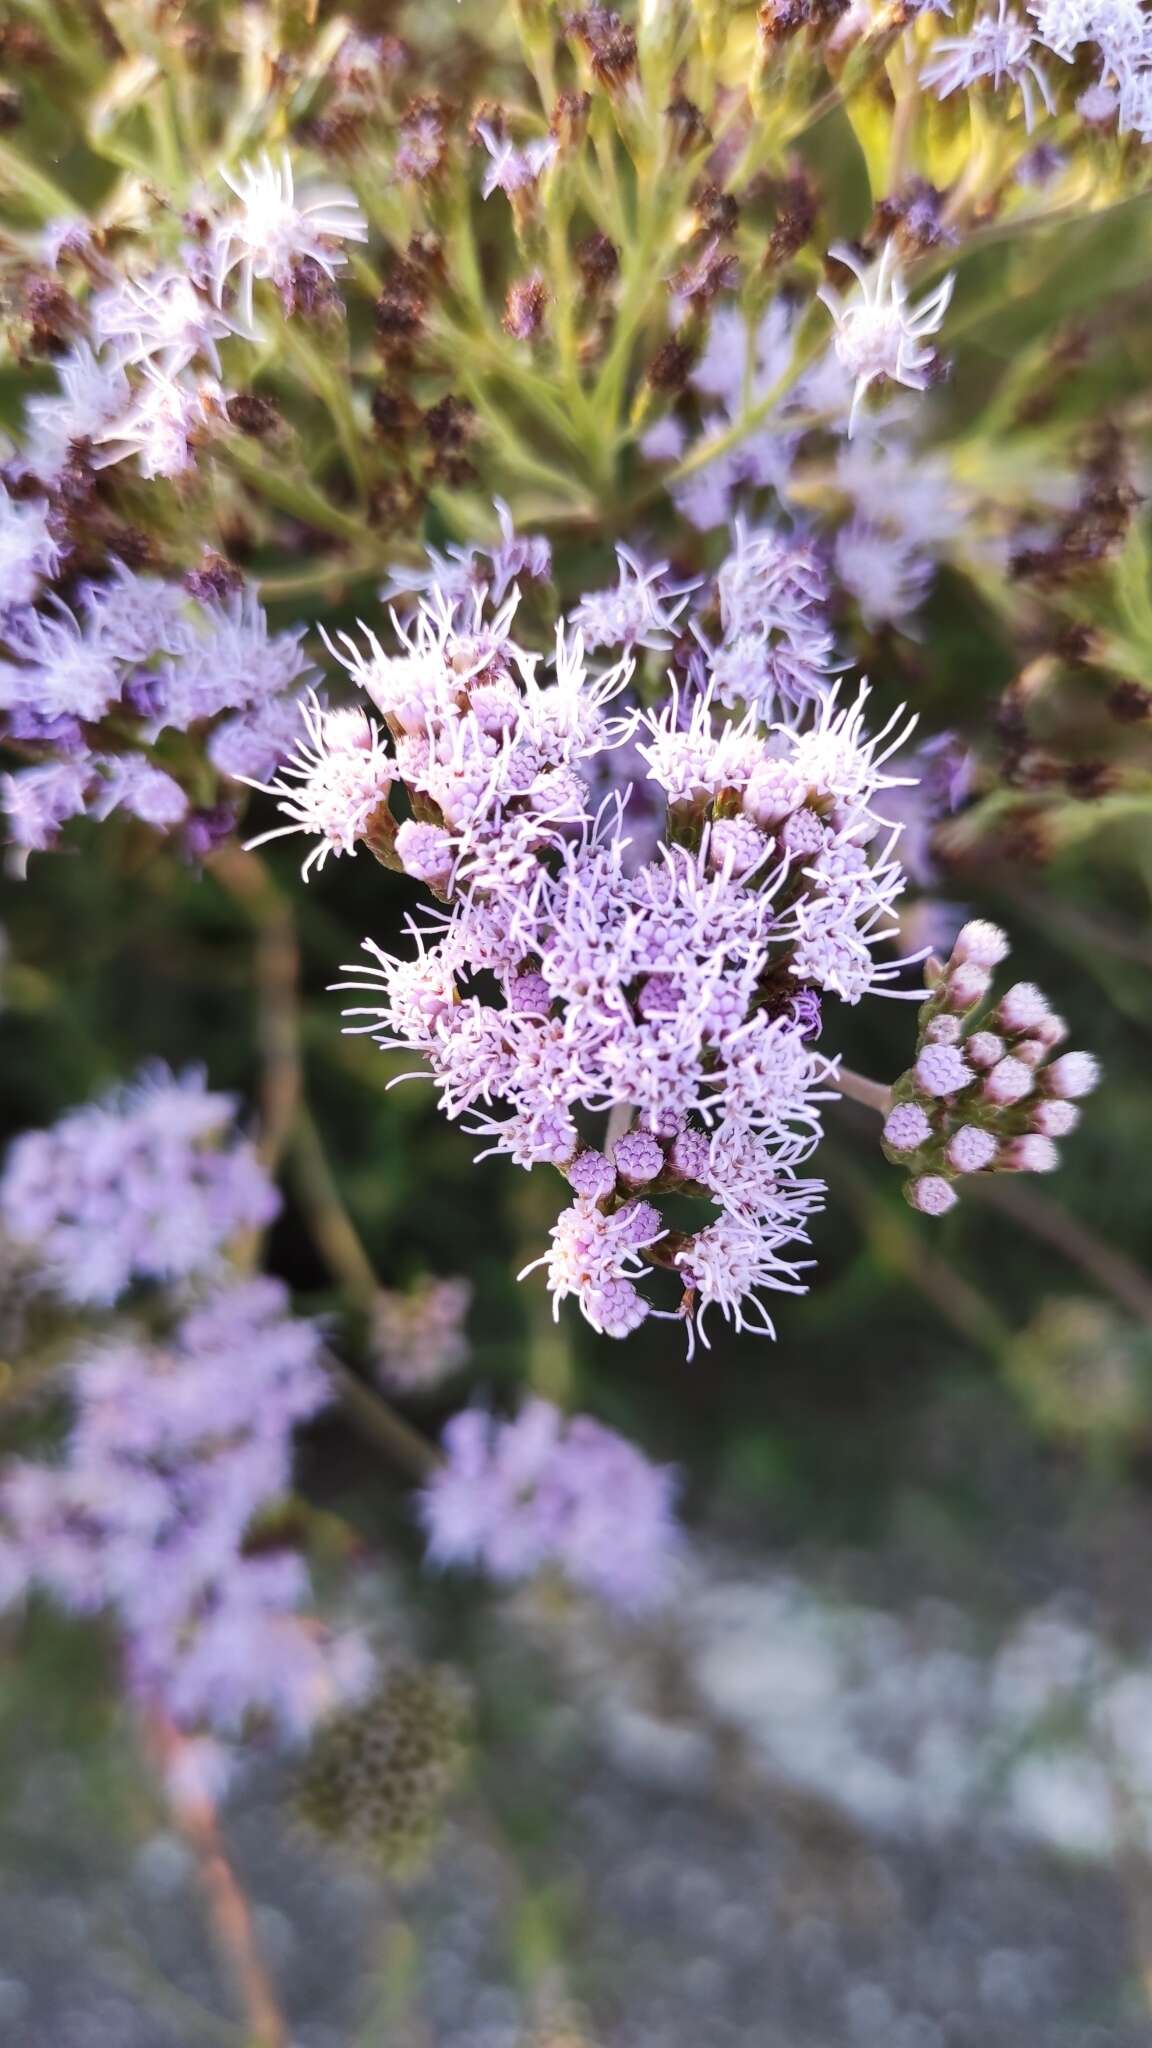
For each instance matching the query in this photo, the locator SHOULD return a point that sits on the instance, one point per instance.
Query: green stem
(335, 394)
(291, 493)
(22, 177)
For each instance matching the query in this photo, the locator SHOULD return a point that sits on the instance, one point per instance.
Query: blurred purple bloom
(149, 1184)
(543, 1490)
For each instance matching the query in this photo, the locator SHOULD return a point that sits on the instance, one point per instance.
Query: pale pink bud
(1054, 1118)
(906, 1127)
(931, 1194)
(1022, 1007)
(774, 791)
(970, 1149)
(981, 942)
(1051, 1030)
(1074, 1073)
(529, 995)
(591, 1174)
(984, 1049)
(967, 985)
(1009, 1081)
(1031, 1154)
(941, 1070)
(637, 1157)
(425, 851)
(1031, 1051)
(691, 1154)
(943, 1031)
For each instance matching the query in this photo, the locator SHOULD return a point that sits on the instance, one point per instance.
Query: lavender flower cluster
(985, 1094)
(150, 1185)
(419, 1335)
(568, 976)
(182, 1426)
(542, 1491)
(103, 691)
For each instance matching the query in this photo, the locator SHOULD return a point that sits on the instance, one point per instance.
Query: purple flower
(420, 1336)
(514, 1497)
(39, 801)
(149, 1184)
(28, 553)
(174, 1449)
(513, 170)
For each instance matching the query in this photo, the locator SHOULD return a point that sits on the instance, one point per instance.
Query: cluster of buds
(985, 1093)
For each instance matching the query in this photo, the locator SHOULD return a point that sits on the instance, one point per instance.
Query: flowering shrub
(540, 463)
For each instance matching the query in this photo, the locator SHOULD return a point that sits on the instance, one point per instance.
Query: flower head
(879, 333)
(543, 1490)
(278, 226)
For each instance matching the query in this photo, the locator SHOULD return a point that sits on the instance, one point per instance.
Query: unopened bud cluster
(988, 1091)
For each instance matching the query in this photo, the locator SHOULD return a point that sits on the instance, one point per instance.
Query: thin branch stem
(858, 1087)
(403, 1444)
(328, 1219)
(229, 1912)
(277, 974)
(289, 1128)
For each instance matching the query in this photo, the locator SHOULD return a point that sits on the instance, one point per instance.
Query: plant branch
(277, 973)
(229, 1912)
(1113, 1271)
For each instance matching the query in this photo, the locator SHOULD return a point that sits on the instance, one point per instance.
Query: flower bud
(981, 942)
(1022, 1008)
(943, 1031)
(637, 1157)
(1008, 1081)
(941, 1070)
(931, 1194)
(1032, 1153)
(966, 985)
(1030, 1051)
(1073, 1074)
(906, 1127)
(970, 1149)
(1054, 1118)
(984, 1049)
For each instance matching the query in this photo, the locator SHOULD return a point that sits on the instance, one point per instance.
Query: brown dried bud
(216, 577)
(339, 131)
(715, 270)
(311, 292)
(610, 43)
(598, 261)
(524, 307)
(11, 108)
(690, 131)
(52, 314)
(400, 311)
(569, 120)
(395, 415)
(1088, 779)
(451, 423)
(797, 207)
(717, 212)
(1130, 703)
(780, 19)
(252, 414)
(669, 368)
(1074, 641)
(21, 44)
